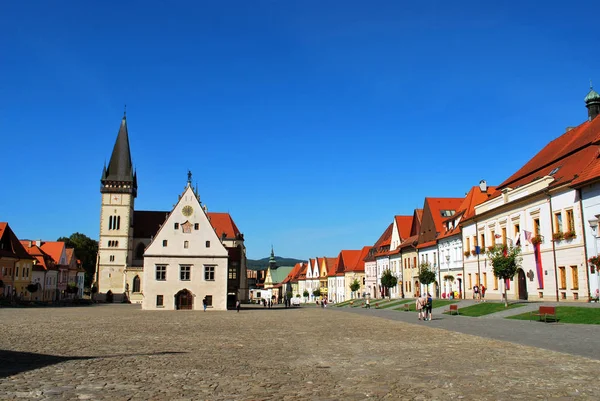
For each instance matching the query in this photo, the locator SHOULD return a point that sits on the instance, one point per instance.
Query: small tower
(118, 186)
(592, 102)
(272, 261)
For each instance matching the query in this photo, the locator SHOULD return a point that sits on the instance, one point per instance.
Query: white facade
(192, 257)
(371, 278)
(383, 263)
(451, 264)
(331, 288)
(396, 269)
(562, 263)
(590, 197)
(38, 277)
(340, 285)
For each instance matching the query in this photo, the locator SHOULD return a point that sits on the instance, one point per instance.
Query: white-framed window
(161, 272)
(159, 300)
(209, 273)
(185, 273)
(186, 244)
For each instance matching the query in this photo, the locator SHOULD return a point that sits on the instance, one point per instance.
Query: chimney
(568, 129)
(483, 186)
(30, 243)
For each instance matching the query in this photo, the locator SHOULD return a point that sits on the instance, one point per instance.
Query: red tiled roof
(590, 173)
(302, 274)
(331, 266)
(467, 208)
(11, 247)
(404, 223)
(223, 223)
(426, 244)
(43, 260)
(381, 246)
(570, 142)
(359, 265)
(54, 249)
(293, 275)
(410, 241)
(346, 258)
(436, 205)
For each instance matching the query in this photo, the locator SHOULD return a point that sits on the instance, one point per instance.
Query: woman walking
(419, 305)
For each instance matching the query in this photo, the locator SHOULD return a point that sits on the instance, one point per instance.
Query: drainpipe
(553, 244)
(587, 270)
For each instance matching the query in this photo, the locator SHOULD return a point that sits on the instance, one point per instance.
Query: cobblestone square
(120, 352)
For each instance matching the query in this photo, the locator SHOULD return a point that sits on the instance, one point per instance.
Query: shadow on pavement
(14, 362)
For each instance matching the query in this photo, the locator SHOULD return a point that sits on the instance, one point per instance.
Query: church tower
(119, 190)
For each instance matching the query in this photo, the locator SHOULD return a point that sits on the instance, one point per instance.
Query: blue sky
(311, 122)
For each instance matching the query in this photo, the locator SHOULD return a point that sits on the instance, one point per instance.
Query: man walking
(237, 305)
(204, 303)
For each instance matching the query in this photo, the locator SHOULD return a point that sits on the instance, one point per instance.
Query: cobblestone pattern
(120, 352)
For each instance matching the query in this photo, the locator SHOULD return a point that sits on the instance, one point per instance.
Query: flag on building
(527, 236)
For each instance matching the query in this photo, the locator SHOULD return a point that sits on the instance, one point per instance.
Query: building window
(536, 227)
(176, 226)
(161, 273)
(196, 226)
(208, 300)
(558, 223)
(492, 238)
(184, 273)
(484, 282)
(139, 251)
(159, 300)
(112, 258)
(563, 278)
(232, 273)
(495, 282)
(517, 230)
(17, 272)
(470, 281)
(575, 277)
(186, 244)
(165, 242)
(208, 244)
(136, 284)
(468, 244)
(570, 220)
(504, 236)
(482, 243)
(209, 273)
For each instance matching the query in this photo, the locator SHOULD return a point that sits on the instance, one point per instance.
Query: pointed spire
(272, 261)
(592, 102)
(189, 181)
(120, 169)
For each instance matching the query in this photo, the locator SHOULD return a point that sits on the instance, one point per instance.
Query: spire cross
(125, 111)
(189, 177)
(591, 86)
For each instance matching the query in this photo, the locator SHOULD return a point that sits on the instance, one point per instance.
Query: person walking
(482, 291)
(204, 303)
(237, 305)
(368, 304)
(475, 292)
(428, 307)
(419, 304)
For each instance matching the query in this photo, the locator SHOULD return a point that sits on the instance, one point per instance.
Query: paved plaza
(120, 352)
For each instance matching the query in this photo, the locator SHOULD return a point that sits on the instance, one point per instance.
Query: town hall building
(165, 259)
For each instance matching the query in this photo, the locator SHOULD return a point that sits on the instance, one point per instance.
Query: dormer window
(176, 226)
(554, 170)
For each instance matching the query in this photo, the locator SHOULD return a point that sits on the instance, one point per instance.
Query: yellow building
(15, 264)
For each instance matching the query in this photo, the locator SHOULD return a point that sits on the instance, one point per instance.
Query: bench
(453, 308)
(545, 312)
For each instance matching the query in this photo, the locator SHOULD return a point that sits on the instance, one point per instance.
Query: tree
(305, 293)
(317, 292)
(505, 262)
(86, 250)
(355, 286)
(388, 281)
(426, 275)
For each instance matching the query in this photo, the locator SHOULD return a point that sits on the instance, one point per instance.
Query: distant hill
(264, 262)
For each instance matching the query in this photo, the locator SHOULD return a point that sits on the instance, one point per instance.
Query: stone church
(165, 259)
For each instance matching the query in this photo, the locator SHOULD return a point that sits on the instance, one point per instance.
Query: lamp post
(447, 269)
(594, 226)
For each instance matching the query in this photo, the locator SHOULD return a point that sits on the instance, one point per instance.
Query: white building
(186, 261)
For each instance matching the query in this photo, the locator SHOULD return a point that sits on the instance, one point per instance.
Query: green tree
(426, 275)
(305, 293)
(388, 281)
(505, 262)
(86, 250)
(33, 287)
(355, 286)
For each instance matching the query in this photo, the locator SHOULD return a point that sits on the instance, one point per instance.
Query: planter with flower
(474, 252)
(570, 235)
(594, 263)
(467, 254)
(490, 248)
(538, 239)
(558, 236)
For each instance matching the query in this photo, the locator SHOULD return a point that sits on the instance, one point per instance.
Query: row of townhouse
(550, 208)
(49, 265)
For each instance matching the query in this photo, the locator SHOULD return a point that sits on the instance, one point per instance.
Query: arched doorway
(522, 284)
(136, 284)
(184, 300)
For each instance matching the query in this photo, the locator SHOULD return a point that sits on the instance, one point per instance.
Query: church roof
(279, 274)
(120, 167)
(146, 223)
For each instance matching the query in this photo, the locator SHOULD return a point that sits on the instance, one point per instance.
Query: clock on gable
(187, 210)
